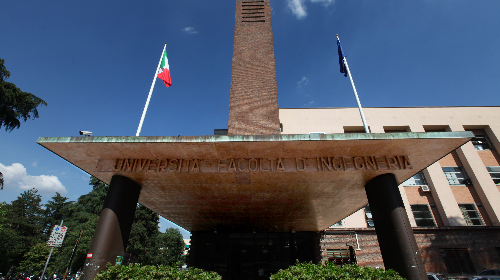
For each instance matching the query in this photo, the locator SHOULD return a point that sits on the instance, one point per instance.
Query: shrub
(331, 271)
(141, 272)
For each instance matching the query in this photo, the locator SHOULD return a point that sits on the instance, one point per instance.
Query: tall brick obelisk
(253, 107)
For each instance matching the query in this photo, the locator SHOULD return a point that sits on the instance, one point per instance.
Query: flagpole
(355, 93)
(150, 93)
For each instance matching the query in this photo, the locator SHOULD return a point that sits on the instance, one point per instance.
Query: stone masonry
(481, 243)
(253, 108)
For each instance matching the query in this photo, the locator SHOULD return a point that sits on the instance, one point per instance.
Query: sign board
(57, 236)
(119, 259)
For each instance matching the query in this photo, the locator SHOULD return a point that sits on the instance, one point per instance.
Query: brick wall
(489, 158)
(369, 255)
(253, 107)
(481, 243)
(416, 196)
(450, 160)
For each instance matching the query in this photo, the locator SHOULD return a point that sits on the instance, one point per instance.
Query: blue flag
(343, 69)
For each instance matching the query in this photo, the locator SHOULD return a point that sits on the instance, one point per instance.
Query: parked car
(488, 272)
(434, 276)
(463, 277)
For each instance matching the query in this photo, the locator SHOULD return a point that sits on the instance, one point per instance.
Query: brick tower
(253, 107)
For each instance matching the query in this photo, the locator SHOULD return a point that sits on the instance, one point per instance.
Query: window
(423, 215)
(481, 142)
(471, 215)
(455, 175)
(494, 173)
(368, 215)
(220, 131)
(457, 260)
(340, 256)
(337, 224)
(417, 180)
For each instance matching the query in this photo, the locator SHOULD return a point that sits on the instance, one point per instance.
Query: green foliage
(82, 215)
(143, 243)
(54, 212)
(24, 224)
(36, 258)
(15, 104)
(94, 200)
(11, 248)
(140, 272)
(171, 246)
(26, 215)
(1, 181)
(3, 214)
(81, 221)
(22, 229)
(330, 271)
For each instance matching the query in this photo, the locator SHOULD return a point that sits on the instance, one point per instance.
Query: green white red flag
(164, 71)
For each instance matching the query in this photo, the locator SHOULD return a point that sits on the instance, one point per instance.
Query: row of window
(424, 218)
(455, 175)
(481, 142)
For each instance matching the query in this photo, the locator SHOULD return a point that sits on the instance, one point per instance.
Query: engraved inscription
(242, 165)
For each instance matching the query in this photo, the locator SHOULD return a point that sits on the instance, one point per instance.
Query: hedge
(330, 271)
(300, 271)
(140, 272)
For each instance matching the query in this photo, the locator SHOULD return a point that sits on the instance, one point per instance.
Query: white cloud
(190, 30)
(326, 3)
(15, 175)
(303, 81)
(34, 164)
(299, 9)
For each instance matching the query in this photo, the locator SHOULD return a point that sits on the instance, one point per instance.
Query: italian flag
(164, 72)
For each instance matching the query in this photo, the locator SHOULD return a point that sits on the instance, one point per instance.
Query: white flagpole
(150, 93)
(355, 94)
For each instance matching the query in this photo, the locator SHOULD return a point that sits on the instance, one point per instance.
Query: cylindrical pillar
(114, 225)
(395, 236)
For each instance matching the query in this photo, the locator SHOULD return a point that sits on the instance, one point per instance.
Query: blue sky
(93, 63)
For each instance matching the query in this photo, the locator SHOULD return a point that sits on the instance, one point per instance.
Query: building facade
(453, 205)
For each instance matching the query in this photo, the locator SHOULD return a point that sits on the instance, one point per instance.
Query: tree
(80, 220)
(94, 200)
(36, 258)
(82, 215)
(171, 246)
(22, 229)
(54, 212)
(3, 214)
(1, 181)
(15, 104)
(11, 249)
(143, 241)
(26, 215)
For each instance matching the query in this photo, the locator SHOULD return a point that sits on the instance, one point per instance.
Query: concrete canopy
(262, 183)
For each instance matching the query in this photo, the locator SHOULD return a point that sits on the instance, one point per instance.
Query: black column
(395, 236)
(114, 225)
